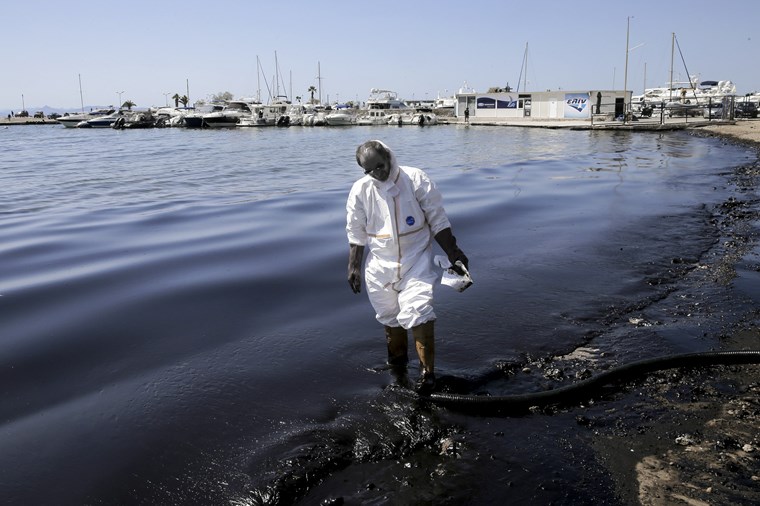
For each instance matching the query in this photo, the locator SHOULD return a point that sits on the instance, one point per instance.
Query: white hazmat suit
(397, 219)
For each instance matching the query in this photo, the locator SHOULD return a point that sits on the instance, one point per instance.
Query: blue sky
(418, 48)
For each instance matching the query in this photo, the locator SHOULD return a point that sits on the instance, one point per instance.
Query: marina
(656, 109)
(664, 118)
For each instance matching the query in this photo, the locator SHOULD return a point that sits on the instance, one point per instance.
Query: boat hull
(212, 121)
(101, 123)
(339, 119)
(71, 121)
(193, 121)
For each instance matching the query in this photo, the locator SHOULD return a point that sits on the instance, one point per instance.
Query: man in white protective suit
(397, 211)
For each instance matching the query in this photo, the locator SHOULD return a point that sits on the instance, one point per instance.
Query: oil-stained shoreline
(690, 436)
(678, 436)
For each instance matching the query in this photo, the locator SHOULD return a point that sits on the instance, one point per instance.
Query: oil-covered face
(377, 164)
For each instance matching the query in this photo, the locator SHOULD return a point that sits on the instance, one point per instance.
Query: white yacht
(73, 120)
(373, 117)
(233, 112)
(195, 119)
(384, 99)
(691, 92)
(340, 117)
(424, 118)
(314, 116)
(267, 115)
(444, 102)
(172, 116)
(381, 104)
(105, 121)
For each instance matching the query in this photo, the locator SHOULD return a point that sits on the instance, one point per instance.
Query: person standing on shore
(467, 115)
(397, 211)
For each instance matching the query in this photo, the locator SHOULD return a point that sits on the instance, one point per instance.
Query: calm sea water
(176, 326)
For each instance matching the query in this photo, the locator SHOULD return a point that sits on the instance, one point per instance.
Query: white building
(499, 103)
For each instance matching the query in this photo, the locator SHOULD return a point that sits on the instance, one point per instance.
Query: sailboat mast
(645, 75)
(525, 84)
(277, 77)
(81, 97)
(319, 81)
(672, 51)
(524, 67)
(258, 80)
(625, 73)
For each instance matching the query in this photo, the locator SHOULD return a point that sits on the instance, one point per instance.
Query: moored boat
(340, 117)
(424, 118)
(384, 99)
(398, 119)
(373, 117)
(106, 121)
(314, 116)
(134, 120)
(230, 115)
(688, 93)
(381, 106)
(267, 115)
(172, 116)
(195, 119)
(73, 120)
(444, 103)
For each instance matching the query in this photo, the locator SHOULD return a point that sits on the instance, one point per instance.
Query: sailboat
(684, 98)
(274, 113)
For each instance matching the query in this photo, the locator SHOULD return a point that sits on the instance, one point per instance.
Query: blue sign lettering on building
(486, 103)
(576, 105)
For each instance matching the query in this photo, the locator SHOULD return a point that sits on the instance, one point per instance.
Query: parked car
(714, 111)
(745, 110)
(682, 109)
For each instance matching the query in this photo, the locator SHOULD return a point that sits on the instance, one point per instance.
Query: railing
(727, 108)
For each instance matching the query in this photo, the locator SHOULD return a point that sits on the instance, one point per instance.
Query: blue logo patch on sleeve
(410, 220)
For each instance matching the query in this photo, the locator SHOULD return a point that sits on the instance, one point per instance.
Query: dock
(15, 120)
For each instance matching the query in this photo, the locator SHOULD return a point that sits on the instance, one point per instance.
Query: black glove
(448, 244)
(355, 257)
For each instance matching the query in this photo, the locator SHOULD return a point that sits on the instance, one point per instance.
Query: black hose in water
(583, 390)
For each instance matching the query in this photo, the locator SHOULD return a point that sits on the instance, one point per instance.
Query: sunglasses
(369, 171)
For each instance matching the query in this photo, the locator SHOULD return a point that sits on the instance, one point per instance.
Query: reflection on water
(177, 327)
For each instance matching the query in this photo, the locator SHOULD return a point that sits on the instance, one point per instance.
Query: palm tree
(128, 104)
(312, 90)
(175, 97)
(184, 100)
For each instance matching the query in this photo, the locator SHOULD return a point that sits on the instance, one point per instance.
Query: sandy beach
(747, 130)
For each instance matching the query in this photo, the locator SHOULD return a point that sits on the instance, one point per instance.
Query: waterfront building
(504, 103)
